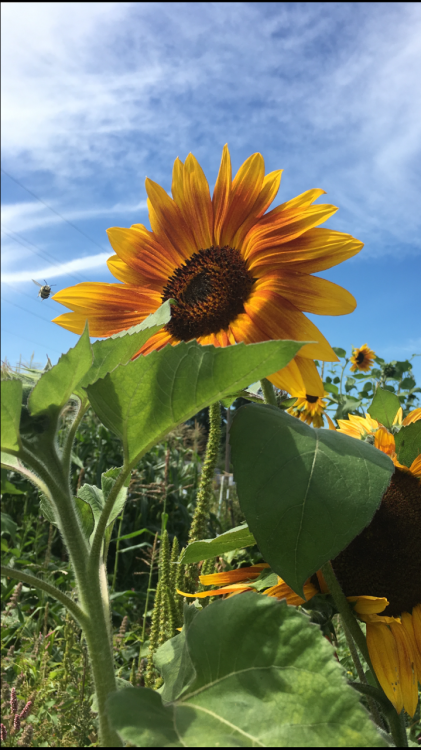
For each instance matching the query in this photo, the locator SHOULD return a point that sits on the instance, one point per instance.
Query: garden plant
(282, 610)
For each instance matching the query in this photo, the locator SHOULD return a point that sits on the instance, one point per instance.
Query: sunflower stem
(201, 513)
(268, 392)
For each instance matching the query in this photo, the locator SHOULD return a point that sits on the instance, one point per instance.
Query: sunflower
(236, 272)
(379, 571)
(370, 430)
(309, 409)
(362, 359)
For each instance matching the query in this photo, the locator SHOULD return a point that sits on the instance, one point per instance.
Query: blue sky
(97, 96)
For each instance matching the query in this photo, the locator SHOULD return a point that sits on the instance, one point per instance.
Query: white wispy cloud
(55, 271)
(29, 215)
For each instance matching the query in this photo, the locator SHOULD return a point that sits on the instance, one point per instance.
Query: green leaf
(261, 675)
(7, 488)
(407, 384)
(205, 549)
(8, 526)
(55, 387)
(408, 443)
(173, 660)
(305, 493)
(330, 388)
(11, 404)
(120, 348)
(47, 510)
(339, 352)
(86, 516)
(384, 407)
(96, 498)
(149, 396)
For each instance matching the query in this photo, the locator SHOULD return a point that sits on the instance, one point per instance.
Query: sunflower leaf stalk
(201, 513)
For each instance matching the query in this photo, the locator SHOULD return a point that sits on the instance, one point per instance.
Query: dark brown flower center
(210, 289)
(360, 358)
(311, 399)
(385, 559)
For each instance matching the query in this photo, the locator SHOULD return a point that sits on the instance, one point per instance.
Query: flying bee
(45, 290)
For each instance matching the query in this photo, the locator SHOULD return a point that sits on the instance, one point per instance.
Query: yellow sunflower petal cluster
(309, 409)
(383, 439)
(362, 359)
(238, 272)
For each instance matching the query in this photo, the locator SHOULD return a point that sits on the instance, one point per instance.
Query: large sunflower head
(236, 272)
(362, 359)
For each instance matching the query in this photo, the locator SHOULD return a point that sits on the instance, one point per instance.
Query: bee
(45, 290)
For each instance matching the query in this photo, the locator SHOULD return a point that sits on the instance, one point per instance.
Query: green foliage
(231, 540)
(300, 520)
(11, 400)
(151, 395)
(408, 443)
(384, 407)
(279, 687)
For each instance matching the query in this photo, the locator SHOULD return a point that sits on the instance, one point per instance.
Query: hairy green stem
(96, 546)
(374, 694)
(117, 550)
(48, 588)
(268, 392)
(397, 728)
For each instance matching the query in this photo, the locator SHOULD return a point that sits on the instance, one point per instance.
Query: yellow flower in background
(362, 359)
(380, 436)
(309, 409)
(236, 272)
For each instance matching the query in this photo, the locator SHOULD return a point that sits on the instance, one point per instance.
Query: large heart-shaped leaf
(148, 397)
(305, 493)
(255, 673)
(120, 348)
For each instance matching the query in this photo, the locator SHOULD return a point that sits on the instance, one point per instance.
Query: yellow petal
(312, 294)
(384, 441)
(407, 668)
(222, 194)
(416, 621)
(330, 423)
(190, 191)
(235, 587)
(408, 625)
(233, 576)
(246, 187)
(413, 416)
(368, 604)
(384, 657)
(415, 467)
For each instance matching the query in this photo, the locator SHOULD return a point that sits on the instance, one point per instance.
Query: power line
(52, 209)
(24, 338)
(25, 309)
(42, 254)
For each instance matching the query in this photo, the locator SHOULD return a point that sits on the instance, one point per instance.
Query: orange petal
(156, 342)
(384, 441)
(236, 587)
(369, 605)
(407, 668)
(222, 194)
(289, 379)
(246, 187)
(415, 467)
(190, 190)
(384, 657)
(233, 576)
(168, 224)
(267, 194)
(138, 248)
(315, 250)
(413, 416)
(280, 319)
(330, 423)
(312, 294)
(416, 621)
(124, 273)
(283, 591)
